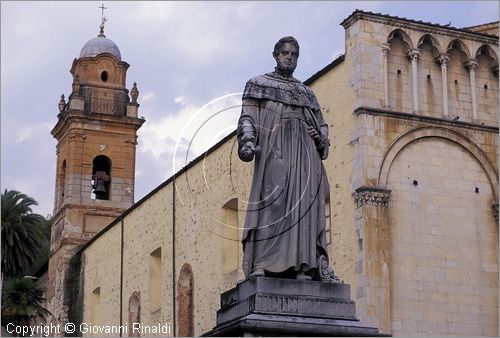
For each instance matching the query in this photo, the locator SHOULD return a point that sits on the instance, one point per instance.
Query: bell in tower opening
(101, 179)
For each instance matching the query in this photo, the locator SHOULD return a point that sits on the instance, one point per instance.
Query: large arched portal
(444, 240)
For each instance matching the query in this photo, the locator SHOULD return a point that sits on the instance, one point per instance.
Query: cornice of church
(426, 119)
(426, 27)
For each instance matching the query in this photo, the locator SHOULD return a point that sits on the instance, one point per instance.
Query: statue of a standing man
(282, 127)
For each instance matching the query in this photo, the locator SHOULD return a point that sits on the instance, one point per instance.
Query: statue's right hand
(247, 151)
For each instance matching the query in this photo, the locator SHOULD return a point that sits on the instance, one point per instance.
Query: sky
(190, 61)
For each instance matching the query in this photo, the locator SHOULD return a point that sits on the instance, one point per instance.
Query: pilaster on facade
(443, 60)
(373, 293)
(471, 65)
(414, 55)
(378, 197)
(385, 48)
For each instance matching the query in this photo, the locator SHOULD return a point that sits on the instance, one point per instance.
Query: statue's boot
(259, 272)
(302, 276)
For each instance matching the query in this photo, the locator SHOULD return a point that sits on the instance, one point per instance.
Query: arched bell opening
(101, 178)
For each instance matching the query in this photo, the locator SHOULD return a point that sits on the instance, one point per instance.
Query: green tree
(23, 240)
(22, 299)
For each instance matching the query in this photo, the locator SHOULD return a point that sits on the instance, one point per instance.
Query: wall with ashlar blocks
(444, 244)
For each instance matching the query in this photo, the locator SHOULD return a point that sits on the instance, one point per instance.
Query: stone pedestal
(286, 307)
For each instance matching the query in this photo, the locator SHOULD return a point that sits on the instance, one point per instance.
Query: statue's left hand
(314, 133)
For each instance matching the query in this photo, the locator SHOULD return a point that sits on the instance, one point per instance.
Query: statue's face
(287, 57)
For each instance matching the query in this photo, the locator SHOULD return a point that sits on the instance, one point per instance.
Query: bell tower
(96, 136)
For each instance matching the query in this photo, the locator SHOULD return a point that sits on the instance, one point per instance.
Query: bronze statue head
(282, 41)
(286, 54)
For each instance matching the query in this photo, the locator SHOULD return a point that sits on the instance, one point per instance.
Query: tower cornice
(96, 58)
(76, 117)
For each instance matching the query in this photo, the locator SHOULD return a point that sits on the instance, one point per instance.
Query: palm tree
(23, 241)
(22, 299)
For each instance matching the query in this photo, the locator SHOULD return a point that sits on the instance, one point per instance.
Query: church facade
(412, 214)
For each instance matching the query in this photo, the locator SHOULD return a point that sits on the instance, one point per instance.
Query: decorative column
(385, 52)
(373, 294)
(471, 65)
(75, 86)
(62, 104)
(414, 54)
(443, 61)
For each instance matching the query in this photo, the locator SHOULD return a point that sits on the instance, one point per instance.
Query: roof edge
(360, 14)
(325, 69)
(481, 25)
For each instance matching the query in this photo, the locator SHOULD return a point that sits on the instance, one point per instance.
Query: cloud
(32, 186)
(180, 100)
(36, 131)
(168, 143)
(194, 130)
(147, 96)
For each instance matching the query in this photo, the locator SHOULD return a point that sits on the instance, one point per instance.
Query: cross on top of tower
(103, 20)
(102, 12)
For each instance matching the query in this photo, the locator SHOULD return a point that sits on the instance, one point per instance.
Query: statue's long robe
(285, 221)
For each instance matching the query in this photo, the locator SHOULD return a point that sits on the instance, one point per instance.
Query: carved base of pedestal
(285, 307)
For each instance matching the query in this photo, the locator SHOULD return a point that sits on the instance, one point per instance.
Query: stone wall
(336, 104)
(102, 270)
(202, 232)
(199, 226)
(444, 242)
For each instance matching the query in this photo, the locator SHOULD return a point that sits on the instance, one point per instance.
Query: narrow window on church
(62, 182)
(96, 306)
(155, 296)
(101, 178)
(185, 312)
(328, 226)
(134, 314)
(230, 237)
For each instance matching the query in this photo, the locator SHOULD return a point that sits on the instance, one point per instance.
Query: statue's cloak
(285, 221)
